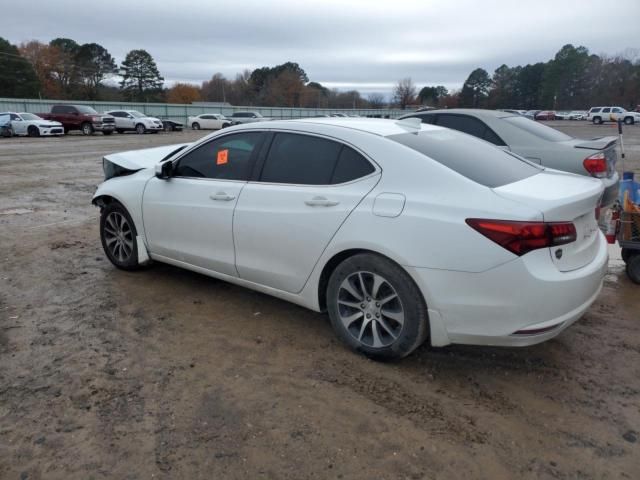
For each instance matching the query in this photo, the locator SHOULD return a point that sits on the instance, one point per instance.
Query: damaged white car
(402, 231)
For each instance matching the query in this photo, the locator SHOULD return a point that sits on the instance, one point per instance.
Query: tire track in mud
(425, 411)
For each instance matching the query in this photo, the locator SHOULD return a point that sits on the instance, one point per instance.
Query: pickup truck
(81, 117)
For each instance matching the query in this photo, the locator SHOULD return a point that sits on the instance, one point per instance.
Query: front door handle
(321, 202)
(221, 197)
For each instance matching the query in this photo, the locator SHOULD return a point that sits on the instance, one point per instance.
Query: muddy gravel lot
(169, 374)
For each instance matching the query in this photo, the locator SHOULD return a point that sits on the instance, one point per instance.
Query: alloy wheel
(370, 309)
(118, 236)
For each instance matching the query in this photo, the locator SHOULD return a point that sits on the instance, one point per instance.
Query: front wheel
(597, 120)
(376, 308)
(107, 132)
(33, 131)
(86, 128)
(118, 235)
(167, 127)
(140, 129)
(225, 125)
(628, 121)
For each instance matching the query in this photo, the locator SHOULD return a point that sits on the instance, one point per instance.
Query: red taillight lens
(596, 165)
(522, 237)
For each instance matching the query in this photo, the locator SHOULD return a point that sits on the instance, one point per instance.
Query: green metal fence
(181, 112)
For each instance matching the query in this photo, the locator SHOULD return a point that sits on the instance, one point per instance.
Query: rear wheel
(376, 308)
(86, 128)
(33, 131)
(626, 254)
(633, 267)
(140, 128)
(195, 126)
(168, 127)
(628, 120)
(118, 235)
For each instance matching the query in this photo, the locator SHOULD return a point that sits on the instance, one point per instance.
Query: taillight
(596, 165)
(523, 237)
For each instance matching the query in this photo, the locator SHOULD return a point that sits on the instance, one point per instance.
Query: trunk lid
(563, 197)
(607, 145)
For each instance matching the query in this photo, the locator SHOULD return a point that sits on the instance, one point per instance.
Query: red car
(546, 115)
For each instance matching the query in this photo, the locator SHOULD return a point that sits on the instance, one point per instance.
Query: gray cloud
(366, 45)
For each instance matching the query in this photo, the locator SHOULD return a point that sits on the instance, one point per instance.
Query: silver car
(536, 142)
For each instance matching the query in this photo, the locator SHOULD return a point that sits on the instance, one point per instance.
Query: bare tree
(376, 100)
(404, 92)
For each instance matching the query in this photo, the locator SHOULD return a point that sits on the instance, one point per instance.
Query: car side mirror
(164, 170)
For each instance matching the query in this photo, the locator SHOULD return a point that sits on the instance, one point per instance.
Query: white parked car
(32, 125)
(209, 121)
(135, 121)
(600, 115)
(402, 231)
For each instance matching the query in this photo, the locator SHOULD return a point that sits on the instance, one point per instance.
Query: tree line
(65, 69)
(573, 80)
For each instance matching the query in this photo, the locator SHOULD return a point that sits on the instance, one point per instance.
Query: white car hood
(139, 159)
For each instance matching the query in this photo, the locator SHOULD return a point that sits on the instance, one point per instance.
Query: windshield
(471, 157)
(136, 114)
(85, 109)
(29, 116)
(537, 129)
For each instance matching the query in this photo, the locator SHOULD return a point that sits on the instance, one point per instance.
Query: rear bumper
(611, 186)
(528, 293)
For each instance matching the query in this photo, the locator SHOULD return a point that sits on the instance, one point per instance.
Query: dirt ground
(169, 374)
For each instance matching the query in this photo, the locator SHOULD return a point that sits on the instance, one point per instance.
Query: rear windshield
(537, 129)
(475, 159)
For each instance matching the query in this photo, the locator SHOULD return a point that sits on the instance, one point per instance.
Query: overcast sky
(366, 45)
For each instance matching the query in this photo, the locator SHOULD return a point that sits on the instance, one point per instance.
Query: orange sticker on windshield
(223, 157)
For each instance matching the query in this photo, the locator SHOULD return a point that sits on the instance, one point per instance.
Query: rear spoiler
(601, 143)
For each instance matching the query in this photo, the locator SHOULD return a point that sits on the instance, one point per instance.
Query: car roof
(375, 126)
(476, 112)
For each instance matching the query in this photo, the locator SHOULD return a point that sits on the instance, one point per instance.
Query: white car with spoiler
(402, 232)
(536, 142)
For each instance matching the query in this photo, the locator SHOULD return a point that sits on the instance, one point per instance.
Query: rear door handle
(221, 197)
(321, 202)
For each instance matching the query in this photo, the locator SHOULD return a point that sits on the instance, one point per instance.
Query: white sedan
(209, 121)
(32, 125)
(402, 231)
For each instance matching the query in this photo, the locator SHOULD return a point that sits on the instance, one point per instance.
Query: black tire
(195, 126)
(625, 253)
(225, 125)
(168, 127)
(597, 121)
(407, 336)
(119, 130)
(123, 258)
(628, 121)
(633, 267)
(33, 131)
(107, 132)
(140, 129)
(86, 128)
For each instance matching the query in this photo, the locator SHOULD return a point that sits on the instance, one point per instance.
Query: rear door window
(475, 159)
(351, 165)
(470, 125)
(300, 160)
(606, 110)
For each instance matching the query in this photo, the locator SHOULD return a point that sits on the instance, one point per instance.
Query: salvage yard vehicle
(247, 117)
(536, 142)
(32, 125)
(209, 121)
(6, 130)
(80, 117)
(599, 115)
(171, 125)
(402, 231)
(135, 121)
